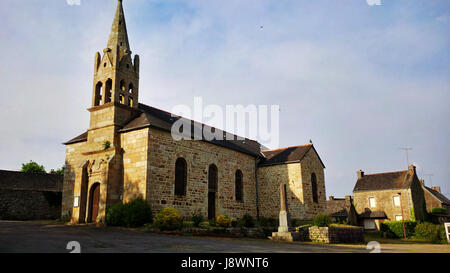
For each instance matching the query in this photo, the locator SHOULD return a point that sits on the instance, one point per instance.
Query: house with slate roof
(434, 198)
(390, 196)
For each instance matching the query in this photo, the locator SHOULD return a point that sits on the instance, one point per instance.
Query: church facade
(128, 152)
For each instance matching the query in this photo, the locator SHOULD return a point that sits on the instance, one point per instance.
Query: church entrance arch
(94, 199)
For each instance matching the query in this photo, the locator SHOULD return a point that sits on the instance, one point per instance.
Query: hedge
(438, 211)
(322, 220)
(394, 229)
(432, 232)
(132, 214)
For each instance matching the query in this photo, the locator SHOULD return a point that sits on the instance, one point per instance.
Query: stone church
(128, 151)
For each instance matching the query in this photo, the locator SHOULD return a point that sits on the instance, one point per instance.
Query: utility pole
(403, 218)
(406, 149)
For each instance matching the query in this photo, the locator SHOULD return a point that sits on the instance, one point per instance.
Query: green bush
(234, 222)
(247, 221)
(132, 214)
(223, 221)
(434, 233)
(197, 218)
(267, 222)
(394, 229)
(213, 223)
(322, 220)
(438, 211)
(168, 219)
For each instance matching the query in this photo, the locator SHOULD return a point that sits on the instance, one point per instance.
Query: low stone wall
(30, 196)
(336, 234)
(29, 205)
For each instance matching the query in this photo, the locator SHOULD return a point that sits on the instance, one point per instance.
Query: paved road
(29, 237)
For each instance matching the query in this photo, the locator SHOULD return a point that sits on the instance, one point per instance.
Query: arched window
(212, 178)
(121, 99)
(98, 94)
(130, 101)
(122, 86)
(180, 177)
(108, 88)
(130, 88)
(239, 186)
(315, 193)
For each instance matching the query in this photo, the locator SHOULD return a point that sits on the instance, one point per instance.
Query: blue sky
(359, 80)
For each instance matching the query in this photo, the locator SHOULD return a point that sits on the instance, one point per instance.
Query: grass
(374, 236)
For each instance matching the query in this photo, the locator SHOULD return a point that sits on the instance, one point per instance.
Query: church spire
(119, 35)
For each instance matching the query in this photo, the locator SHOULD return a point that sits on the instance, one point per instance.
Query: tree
(33, 167)
(61, 170)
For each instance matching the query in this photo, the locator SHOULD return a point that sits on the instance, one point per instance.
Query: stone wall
(135, 164)
(299, 195)
(384, 200)
(336, 234)
(25, 196)
(163, 152)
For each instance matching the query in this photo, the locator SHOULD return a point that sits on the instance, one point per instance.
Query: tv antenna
(429, 176)
(406, 149)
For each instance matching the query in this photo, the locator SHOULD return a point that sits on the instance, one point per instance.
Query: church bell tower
(116, 79)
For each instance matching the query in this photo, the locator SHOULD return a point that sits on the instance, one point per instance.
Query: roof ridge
(284, 148)
(385, 173)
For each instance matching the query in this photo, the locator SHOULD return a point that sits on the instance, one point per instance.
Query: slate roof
(384, 181)
(157, 118)
(13, 180)
(438, 195)
(153, 117)
(287, 155)
(80, 138)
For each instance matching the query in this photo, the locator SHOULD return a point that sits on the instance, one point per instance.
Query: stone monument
(285, 230)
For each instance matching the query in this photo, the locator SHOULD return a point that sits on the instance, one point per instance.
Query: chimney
(437, 188)
(422, 182)
(360, 174)
(331, 197)
(412, 168)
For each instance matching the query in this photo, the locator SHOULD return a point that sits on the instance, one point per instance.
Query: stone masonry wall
(299, 196)
(384, 200)
(336, 234)
(30, 196)
(269, 180)
(312, 164)
(135, 164)
(162, 154)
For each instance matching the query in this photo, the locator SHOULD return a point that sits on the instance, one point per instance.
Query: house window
(398, 217)
(397, 201)
(239, 186)
(180, 177)
(372, 202)
(315, 194)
